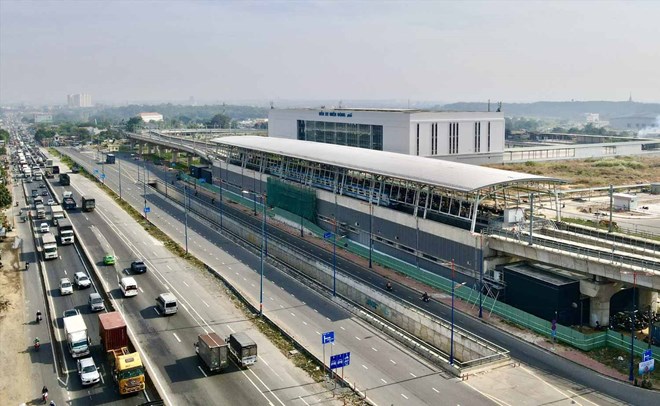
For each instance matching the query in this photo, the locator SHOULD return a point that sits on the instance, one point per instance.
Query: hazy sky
(122, 51)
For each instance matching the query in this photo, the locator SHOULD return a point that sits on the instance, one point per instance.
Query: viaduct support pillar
(647, 297)
(600, 291)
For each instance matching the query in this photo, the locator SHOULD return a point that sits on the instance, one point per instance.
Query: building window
(353, 135)
(489, 136)
(453, 138)
(434, 139)
(417, 139)
(477, 137)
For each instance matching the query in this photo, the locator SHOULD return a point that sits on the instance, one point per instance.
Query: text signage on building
(334, 114)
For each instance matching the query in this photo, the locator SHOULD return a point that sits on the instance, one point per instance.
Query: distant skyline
(169, 51)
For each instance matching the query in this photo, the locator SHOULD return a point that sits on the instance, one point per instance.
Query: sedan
(44, 193)
(82, 280)
(66, 288)
(69, 313)
(109, 259)
(88, 372)
(42, 185)
(51, 202)
(44, 227)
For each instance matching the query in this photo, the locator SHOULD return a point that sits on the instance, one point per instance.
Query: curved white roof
(435, 172)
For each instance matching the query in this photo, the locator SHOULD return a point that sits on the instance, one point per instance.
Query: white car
(66, 287)
(44, 227)
(82, 280)
(51, 202)
(88, 372)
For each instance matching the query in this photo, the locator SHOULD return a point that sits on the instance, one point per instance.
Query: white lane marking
(168, 267)
(293, 314)
(140, 289)
(317, 333)
(364, 366)
(545, 382)
(436, 391)
(404, 396)
(156, 310)
(65, 272)
(229, 327)
(207, 305)
(184, 282)
(413, 375)
(304, 323)
(177, 337)
(384, 381)
(342, 328)
(392, 361)
(357, 338)
(300, 397)
(374, 349)
(202, 371)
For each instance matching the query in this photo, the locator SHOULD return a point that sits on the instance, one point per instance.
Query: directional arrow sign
(327, 338)
(327, 235)
(103, 176)
(340, 360)
(147, 209)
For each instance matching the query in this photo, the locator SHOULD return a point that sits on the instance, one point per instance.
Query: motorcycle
(39, 317)
(388, 286)
(36, 346)
(426, 298)
(44, 397)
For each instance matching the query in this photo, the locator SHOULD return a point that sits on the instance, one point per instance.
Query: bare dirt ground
(15, 370)
(581, 173)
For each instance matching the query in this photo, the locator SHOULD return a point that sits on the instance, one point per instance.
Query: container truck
(65, 180)
(56, 213)
(213, 350)
(41, 210)
(77, 340)
(65, 230)
(126, 366)
(88, 203)
(50, 246)
(242, 348)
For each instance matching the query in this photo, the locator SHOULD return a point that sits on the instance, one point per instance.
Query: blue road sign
(340, 360)
(327, 338)
(202, 180)
(103, 176)
(327, 234)
(96, 171)
(147, 209)
(647, 354)
(172, 164)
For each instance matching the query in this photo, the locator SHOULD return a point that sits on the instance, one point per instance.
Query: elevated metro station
(440, 215)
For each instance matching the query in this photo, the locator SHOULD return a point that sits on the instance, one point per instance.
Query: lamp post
(144, 183)
(263, 247)
(119, 165)
(185, 208)
(302, 235)
(371, 215)
(631, 375)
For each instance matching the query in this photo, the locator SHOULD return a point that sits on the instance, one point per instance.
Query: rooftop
(381, 110)
(434, 172)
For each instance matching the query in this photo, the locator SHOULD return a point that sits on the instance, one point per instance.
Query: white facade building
(79, 100)
(470, 137)
(148, 117)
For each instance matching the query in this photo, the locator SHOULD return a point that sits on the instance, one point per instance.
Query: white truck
(49, 245)
(56, 213)
(77, 340)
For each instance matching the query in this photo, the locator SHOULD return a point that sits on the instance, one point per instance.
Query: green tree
(134, 123)
(5, 196)
(220, 121)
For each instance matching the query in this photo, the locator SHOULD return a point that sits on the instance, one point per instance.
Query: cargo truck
(243, 349)
(65, 180)
(110, 159)
(56, 213)
(65, 230)
(49, 162)
(213, 350)
(69, 203)
(41, 210)
(49, 245)
(88, 203)
(77, 340)
(126, 366)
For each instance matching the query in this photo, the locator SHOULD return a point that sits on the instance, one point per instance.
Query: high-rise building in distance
(79, 100)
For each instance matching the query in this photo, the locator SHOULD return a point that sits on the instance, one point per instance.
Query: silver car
(88, 372)
(66, 287)
(96, 303)
(82, 280)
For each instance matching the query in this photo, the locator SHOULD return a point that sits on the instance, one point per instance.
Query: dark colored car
(138, 267)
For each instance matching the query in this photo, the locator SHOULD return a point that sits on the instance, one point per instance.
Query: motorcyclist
(425, 297)
(37, 342)
(44, 393)
(38, 316)
(388, 285)
(27, 265)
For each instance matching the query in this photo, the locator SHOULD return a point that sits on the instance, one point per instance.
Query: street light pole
(451, 340)
(631, 375)
(263, 248)
(371, 215)
(144, 183)
(185, 208)
(119, 165)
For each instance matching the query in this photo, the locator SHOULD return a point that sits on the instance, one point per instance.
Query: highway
(530, 354)
(304, 313)
(167, 341)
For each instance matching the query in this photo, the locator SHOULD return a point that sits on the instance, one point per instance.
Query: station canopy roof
(429, 171)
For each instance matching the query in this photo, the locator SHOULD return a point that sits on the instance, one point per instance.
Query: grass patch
(620, 360)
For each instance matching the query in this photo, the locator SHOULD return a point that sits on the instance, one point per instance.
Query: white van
(166, 303)
(128, 286)
(67, 193)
